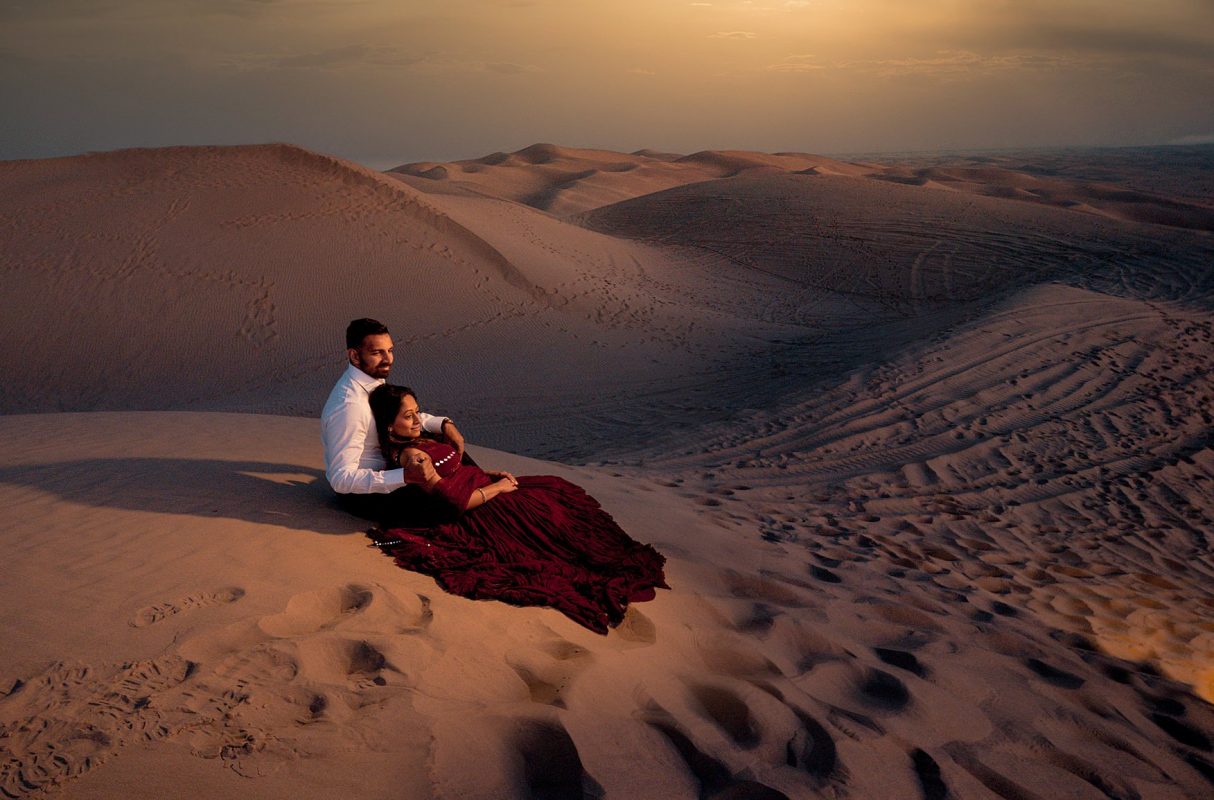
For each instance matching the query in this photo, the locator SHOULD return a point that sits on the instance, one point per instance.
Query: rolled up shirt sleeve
(432, 424)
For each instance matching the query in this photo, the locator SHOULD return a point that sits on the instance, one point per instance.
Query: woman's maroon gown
(546, 543)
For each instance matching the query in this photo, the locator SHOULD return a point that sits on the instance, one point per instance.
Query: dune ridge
(568, 181)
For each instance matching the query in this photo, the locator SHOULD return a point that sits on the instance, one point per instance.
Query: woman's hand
(502, 475)
(505, 485)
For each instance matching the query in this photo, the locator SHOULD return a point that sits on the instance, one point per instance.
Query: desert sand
(926, 442)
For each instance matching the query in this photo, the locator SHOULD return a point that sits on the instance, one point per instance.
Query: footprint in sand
(551, 764)
(715, 779)
(902, 660)
(343, 606)
(879, 689)
(263, 663)
(730, 713)
(1054, 675)
(815, 752)
(770, 588)
(62, 723)
(636, 629)
(549, 669)
(161, 611)
(927, 771)
(735, 657)
(854, 725)
(823, 574)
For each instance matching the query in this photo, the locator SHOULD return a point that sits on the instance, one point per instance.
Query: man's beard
(380, 371)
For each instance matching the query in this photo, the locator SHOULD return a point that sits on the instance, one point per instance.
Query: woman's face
(407, 425)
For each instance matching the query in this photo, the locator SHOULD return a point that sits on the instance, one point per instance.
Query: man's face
(375, 355)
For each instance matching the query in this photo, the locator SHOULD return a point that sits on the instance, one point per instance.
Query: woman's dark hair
(386, 401)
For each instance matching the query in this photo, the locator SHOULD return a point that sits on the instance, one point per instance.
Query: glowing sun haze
(386, 81)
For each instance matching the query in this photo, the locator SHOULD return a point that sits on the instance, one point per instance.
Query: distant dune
(566, 181)
(927, 444)
(1097, 198)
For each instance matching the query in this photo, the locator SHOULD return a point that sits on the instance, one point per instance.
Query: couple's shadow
(288, 495)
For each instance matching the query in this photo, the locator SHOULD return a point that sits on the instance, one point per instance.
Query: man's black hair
(360, 329)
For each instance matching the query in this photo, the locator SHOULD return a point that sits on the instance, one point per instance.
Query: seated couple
(532, 540)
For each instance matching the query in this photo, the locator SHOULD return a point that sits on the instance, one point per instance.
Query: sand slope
(930, 460)
(216, 624)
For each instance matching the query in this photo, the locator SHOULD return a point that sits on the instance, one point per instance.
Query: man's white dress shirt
(353, 461)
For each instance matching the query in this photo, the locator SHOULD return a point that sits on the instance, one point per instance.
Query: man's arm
(432, 424)
(344, 434)
(444, 427)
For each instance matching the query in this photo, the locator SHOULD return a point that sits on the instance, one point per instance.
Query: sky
(386, 82)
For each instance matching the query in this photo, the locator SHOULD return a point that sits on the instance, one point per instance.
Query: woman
(534, 540)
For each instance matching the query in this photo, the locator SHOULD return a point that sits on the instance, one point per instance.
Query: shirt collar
(363, 379)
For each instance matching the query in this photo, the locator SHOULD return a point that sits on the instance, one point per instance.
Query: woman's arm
(484, 495)
(419, 470)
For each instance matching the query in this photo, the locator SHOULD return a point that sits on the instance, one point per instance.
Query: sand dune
(927, 446)
(257, 257)
(565, 181)
(1104, 199)
(568, 181)
(1167, 186)
(211, 245)
(213, 629)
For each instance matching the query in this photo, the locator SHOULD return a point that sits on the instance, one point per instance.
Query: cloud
(61, 10)
(353, 56)
(507, 68)
(945, 65)
(331, 58)
(1119, 41)
(797, 63)
(963, 63)
(733, 35)
(57, 9)
(334, 58)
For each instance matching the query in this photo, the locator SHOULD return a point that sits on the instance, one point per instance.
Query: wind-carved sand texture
(927, 446)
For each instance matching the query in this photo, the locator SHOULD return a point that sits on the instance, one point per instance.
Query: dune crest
(567, 181)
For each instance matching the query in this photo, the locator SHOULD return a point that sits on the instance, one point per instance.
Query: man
(354, 464)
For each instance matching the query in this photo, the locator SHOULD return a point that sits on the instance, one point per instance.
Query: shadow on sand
(288, 495)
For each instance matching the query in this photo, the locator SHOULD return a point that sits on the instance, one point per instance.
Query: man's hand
(419, 467)
(454, 437)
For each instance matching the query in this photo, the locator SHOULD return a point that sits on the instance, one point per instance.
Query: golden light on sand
(925, 444)
(925, 439)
